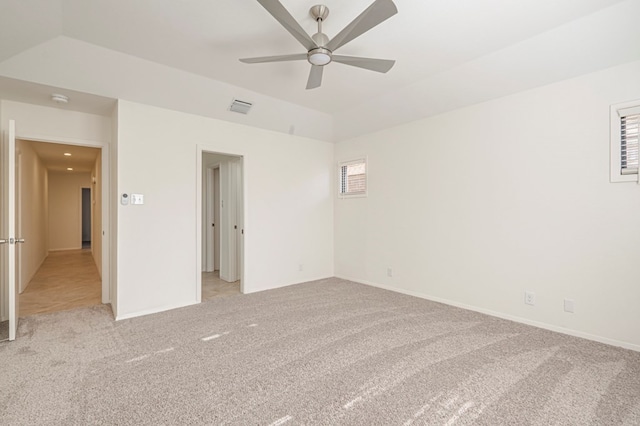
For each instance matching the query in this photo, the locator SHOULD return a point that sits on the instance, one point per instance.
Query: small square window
(352, 178)
(625, 134)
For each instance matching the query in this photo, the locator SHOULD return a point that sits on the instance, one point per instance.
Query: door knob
(3, 241)
(19, 240)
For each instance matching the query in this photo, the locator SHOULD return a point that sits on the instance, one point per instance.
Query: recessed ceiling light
(59, 99)
(70, 168)
(67, 154)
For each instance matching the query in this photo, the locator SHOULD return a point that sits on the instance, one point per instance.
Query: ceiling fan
(320, 48)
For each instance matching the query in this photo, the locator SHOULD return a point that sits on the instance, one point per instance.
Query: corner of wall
(112, 197)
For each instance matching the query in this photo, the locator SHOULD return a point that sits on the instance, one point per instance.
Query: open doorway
(61, 215)
(86, 218)
(222, 225)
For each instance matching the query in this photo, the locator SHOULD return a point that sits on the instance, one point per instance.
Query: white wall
(475, 206)
(65, 209)
(55, 124)
(288, 201)
(33, 213)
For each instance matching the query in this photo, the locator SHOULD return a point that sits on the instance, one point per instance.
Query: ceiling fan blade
(378, 12)
(315, 77)
(278, 11)
(378, 65)
(278, 58)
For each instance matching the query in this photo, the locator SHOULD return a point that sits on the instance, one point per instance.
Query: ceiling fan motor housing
(319, 11)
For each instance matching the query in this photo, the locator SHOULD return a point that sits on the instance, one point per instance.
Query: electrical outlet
(529, 298)
(569, 305)
(389, 272)
(300, 267)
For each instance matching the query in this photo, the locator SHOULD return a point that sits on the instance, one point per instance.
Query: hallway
(66, 280)
(69, 279)
(213, 286)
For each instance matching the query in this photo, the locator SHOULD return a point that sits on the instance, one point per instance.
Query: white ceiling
(429, 39)
(82, 158)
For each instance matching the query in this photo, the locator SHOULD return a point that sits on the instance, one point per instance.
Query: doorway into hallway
(222, 225)
(60, 205)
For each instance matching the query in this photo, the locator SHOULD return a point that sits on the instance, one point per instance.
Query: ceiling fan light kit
(319, 56)
(319, 47)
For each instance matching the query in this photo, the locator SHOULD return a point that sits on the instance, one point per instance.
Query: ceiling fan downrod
(320, 56)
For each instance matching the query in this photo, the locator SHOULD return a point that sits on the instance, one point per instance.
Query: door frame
(105, 171)
(19, 234)
(245, 284)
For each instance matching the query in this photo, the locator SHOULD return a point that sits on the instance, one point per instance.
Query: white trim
(11, 220)
(63, 140)
(198, 224)
(514, 318)
(19, 228)
(614, 141)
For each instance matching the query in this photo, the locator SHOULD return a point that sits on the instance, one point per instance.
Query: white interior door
(240, 218)
(209, 222)
(9, 239)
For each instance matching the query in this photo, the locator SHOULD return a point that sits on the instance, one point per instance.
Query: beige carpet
(328, 352)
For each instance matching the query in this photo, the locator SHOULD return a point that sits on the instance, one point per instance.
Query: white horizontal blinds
(629, 141)
(353, 178)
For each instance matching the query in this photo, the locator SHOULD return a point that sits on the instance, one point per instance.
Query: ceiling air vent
(240, 106)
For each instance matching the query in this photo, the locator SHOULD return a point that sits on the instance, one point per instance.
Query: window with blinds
(629, 136)
(352, 178)
(624, 141)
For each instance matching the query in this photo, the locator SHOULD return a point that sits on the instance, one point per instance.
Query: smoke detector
(59, 99)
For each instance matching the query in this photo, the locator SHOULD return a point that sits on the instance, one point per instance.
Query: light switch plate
(137, 199)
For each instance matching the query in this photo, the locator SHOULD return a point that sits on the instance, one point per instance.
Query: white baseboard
(546, 326)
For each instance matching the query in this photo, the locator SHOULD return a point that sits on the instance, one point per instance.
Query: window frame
(615, 142)
(359, 160)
